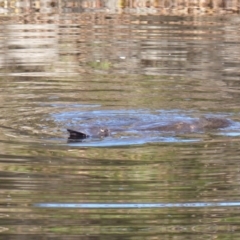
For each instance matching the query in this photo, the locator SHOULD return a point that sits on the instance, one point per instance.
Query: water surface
(65, 69)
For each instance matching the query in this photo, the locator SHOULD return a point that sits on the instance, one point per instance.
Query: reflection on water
(79, 63)
(165, 46)
(122, 6)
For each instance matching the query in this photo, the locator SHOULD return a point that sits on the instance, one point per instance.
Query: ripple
(138, 205)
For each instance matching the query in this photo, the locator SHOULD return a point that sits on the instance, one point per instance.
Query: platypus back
(214, 122)
(196, 125)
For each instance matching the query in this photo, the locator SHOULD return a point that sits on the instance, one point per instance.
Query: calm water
(118, 70)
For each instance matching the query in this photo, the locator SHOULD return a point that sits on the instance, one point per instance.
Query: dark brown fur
(204, 123)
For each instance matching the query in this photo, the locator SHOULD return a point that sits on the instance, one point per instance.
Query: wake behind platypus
(175, 127)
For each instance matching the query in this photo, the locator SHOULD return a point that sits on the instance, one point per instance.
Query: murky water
(67, 70)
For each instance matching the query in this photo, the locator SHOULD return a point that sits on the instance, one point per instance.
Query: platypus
(196, 125)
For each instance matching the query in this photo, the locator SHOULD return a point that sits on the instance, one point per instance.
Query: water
(75, 67)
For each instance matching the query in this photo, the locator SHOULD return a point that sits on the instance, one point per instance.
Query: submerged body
(197, 125)
(201, 124)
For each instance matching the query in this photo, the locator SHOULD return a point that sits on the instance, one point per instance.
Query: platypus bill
(76, 134)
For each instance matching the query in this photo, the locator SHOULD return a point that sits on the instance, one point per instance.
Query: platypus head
(94, 132)
(103, 132)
